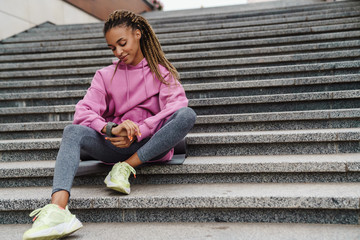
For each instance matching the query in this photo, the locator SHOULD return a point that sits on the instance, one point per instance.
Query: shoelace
(37, 213)
(124, 170)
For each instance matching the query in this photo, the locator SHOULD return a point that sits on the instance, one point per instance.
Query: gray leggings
(80, 142)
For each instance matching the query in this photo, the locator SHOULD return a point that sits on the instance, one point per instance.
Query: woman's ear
(137, 34)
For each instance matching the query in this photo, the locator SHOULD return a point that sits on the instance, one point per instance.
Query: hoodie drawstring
(128, 81)
(143, 70)
(128, 86)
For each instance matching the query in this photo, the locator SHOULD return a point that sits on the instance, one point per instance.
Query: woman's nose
(118, 52)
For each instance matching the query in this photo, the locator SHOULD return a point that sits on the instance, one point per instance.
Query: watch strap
(109, 127)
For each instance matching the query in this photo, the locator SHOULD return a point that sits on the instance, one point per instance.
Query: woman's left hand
(120, 142)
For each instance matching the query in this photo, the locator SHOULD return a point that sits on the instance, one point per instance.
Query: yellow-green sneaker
(51, 222)
(118, 177)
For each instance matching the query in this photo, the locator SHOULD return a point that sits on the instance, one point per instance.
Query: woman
(134, 112)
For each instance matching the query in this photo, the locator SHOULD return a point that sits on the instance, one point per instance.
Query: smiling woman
(134, 112)
(124, 42)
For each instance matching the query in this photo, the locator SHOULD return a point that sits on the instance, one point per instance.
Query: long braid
(149, 43)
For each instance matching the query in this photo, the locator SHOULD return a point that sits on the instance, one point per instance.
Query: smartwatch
(109, 127)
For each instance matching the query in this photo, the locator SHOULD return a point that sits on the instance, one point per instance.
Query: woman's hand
(130, 127)
(125, 134)
(120, 142)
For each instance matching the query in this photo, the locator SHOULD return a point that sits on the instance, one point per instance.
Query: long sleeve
(171, 98)
(90, 109)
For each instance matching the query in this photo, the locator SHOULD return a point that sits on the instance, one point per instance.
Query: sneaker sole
(115, 186)
(75, 225)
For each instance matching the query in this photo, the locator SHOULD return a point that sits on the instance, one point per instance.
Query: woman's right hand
(127, 127)
(125, 134)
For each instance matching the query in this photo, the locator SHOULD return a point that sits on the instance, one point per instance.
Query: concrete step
(341, 31)
(242, 11)
(199, 64)
(318, 141)
(201, 90)
(262, 21)
(272, 72)
(233, 15)
(71, 84)
(193, 230)
(211, 91)
(286, 21)
(347, 16)
(227, 202)
(272, 86)
(60, 39)
(193, 55)
(223, 74)
(200, 170)
(32, 130)
(262, 42)
(41, 65)
(37, 114)
(277, 102)
(68, 97)
(195, 91)
(209, 106)
(317, 119)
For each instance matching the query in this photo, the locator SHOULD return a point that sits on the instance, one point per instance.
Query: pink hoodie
(135, 94)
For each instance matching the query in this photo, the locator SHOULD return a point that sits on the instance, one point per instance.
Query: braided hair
(149, 43)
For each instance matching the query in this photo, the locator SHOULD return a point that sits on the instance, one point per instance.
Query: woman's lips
(124, 58)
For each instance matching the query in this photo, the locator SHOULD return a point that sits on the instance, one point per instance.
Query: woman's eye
(122, 44)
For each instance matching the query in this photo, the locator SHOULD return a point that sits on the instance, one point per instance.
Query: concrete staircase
(277, 139)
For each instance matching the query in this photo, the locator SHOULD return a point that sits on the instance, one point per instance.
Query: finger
(137, 131)
(119, 139)
(130, 129)
(112, 139)
(120, 144)
(127, 126)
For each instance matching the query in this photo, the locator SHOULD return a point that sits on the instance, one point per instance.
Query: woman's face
(125, 44)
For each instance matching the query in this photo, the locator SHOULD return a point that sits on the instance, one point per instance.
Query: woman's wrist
(103, 130)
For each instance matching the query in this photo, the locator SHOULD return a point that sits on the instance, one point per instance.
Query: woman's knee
(187, 115)
(76, 131)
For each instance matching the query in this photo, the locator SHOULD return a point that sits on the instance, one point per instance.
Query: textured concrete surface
(222, 72)
(218, 17)
(200, 231)
(197, 46)
(313, 136)
(279, 116)
(319, 135)
(201, 165)
(233, 21)
(279, 29)
(213, 53)
(201, 170)
(294, 71)
(322, 56)
(191, 196)
(203, 30)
